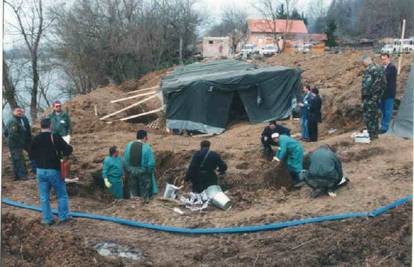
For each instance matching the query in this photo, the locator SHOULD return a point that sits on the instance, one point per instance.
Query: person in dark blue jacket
(314, 115)
(387, 101)
(266, 139)
(202, 170)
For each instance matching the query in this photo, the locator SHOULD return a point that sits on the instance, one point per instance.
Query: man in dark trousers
(202, 170)
(28, 140)
(314, 115)
(387, 101)
(266, 139)
(47, 150)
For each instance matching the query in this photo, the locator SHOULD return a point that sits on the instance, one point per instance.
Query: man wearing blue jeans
(304, 112)
(47, 150)
(387, 102)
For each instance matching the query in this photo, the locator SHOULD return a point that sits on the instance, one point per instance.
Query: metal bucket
(218, 198)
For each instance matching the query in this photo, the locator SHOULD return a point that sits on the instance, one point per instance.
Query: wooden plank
(401, 48)
(132, 97)
(143, 89)
(128, 107)
(142, 114)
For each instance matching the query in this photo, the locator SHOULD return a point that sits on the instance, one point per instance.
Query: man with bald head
(373, 85)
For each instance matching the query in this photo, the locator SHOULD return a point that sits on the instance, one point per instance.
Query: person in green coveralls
(139, 162)
(113, 173)
(290, 152)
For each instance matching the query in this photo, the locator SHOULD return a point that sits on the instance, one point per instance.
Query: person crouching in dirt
(324, 174)
(291, 153)
(266, 138)
(139, 162)
(46, 148)
(113, 172)
(202, 170)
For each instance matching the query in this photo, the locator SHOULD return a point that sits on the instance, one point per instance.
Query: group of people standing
(379, 86)
(19, 137)
(310, 113)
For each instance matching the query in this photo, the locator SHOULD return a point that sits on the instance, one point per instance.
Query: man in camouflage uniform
(16, 141)
(373, 85)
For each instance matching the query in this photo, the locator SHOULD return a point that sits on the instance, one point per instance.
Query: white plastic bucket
(170, 190)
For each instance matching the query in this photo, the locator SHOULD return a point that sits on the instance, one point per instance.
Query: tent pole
(141, 114)
(131, 97)
(143, 89)
(128, 107)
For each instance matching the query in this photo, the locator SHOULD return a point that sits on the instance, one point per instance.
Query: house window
(211, 42)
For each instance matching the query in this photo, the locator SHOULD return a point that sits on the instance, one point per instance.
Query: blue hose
(226, 230)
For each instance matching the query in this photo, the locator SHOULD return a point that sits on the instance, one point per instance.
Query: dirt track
(379, 172)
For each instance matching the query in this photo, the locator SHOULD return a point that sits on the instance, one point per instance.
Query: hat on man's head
(275, 135)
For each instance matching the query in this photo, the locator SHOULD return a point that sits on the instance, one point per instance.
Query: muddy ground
(379, 172)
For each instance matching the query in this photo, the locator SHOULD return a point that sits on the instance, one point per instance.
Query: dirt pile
(28, 243)
(339, 77)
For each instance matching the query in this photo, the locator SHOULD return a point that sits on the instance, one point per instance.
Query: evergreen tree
(330, 33)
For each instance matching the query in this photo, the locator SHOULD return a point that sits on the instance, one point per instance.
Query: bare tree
(9, 90)
(31, 26)
(233, 23)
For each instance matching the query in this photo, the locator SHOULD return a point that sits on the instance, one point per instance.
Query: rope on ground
(225, 230)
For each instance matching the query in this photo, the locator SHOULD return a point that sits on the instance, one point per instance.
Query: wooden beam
(128, 107)
(131, 97)
(401, 48)
(142, 114)
(143, 89)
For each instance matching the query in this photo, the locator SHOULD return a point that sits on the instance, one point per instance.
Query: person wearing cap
(47, 149)
(61, 124)
(290, 152)
(139, 163)
(324, 172)
(112, 173)
(266, 137)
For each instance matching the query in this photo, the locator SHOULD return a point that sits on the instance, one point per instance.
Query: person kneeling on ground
(202, 169)
(290, 152)
(325, 171)
(47, 149)
(266, 138)
(139, 164)
(113, 173)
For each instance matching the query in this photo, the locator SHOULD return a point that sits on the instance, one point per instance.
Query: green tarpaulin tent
(202, 96)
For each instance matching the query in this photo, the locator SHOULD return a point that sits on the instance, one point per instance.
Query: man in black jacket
(314, 115)
(266, 139)
(47, 150)
(387, 101)
(202, 170)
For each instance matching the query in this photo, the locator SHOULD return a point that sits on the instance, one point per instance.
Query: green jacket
(324, 164)
(147, 161)
(60, 123)
(373, 83)
(291, 152)
(16, 134)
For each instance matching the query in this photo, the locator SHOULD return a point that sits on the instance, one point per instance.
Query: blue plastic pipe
(225, 230)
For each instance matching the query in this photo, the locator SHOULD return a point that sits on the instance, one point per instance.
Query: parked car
(269, 50)
(388, 48)
(249, 49)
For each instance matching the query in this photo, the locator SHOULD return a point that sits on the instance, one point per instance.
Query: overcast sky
(210, 8)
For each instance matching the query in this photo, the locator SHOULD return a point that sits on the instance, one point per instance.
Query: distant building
(261, 31)
(216, 47)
